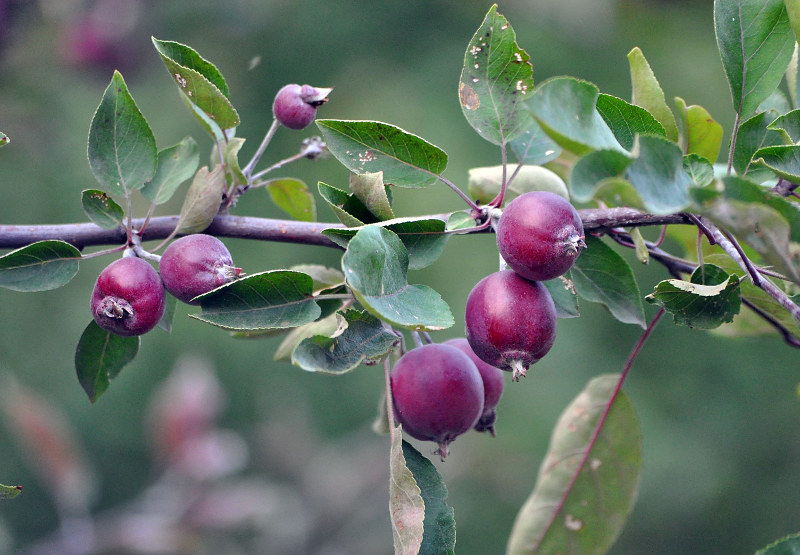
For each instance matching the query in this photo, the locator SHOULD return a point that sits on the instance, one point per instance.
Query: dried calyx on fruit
(540, 235)
(437, 393)
(128, 297)
(196, 264)
(295, 106)
(510, 321)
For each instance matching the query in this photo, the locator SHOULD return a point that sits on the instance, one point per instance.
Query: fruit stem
(248, 169)
(389, 407)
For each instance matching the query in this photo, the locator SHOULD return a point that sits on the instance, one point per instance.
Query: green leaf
(273, 299)
(371, 191)
(329, 326)
(364, 338)
(784, 160)
(586, 485)
(202, 200)
(371, 146)
(99, 357)
(788, 125)
(406, 507)
(200, 83)
(657, 174)
(484, 183)
(230, 157)
(347, 207)
(424, 239)
(293, 197)
(753, 135)
(699, 169)
(627, 120)
(101, 209)
(710, 299)
(736, 188)
(165, 323)
(122, 149)
(9, 492)
(40, 266)
(534, 147)
(756, 42)
(566, 109)
(439, 535)
(496, 79)
(323, 277)
(459, 220)
(647, 93)
(4, 140)
(595, 169)
(790, 545)
(376, 265)
(702, 135)
(562, 289)
(176, 164)
(603, 276)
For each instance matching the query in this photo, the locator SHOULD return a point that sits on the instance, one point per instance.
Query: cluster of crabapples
(441, 391)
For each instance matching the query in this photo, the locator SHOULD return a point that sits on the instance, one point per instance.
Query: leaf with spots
(101, 209)
(496, 79)
(588, 480)
(274, 299)
(405, 159)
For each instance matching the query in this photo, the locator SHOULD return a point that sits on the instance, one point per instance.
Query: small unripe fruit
(128, 297)
(540, 235)
(493, 384)
(296, 107)
(510, 321)
(196, 264)
(437, 393)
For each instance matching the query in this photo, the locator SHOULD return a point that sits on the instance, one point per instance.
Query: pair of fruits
(510, 324)
(129, 296)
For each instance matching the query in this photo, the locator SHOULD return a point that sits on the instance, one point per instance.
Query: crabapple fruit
(492, 385)
(510, 321)
(296, 107)
(437, 393)
(128, 297)
(540, 235)
(196, 264)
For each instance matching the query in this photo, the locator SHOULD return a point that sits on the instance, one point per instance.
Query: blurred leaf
(371, 146)
(293, 197)
(371, 191)
(322, 276)
(699, 169)
(40, 266)
(627, 120)
(703, 135)
(101, 209)
(484, 183)
(202, 200)
(657, 174)
(4, 140)
(330, 326)
(783, 160)
(562, 289)
(461, 219)
(647, 93)
(9, 492)
(587, 484)
(639, 245)
(710, 299)
(348, 208)
(753, 135)
(790, 545)
(363, 338)
(273, 299)
(788, 125)
(176, 164)
(423, 238)
(593, 170)
(406, 507)
(439, 526)
(230, 156)
(736, 188)
(165, 323)
(496, 78)
(200, 82)
(122, 148)
(566, 108)
(755, 41)
(534, 147)
(603, 276)
(100, 356)
(376, 265)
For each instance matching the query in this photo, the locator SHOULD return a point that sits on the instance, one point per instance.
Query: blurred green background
(305, 474)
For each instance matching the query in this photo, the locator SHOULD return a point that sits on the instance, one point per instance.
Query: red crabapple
(296, 107)
(196, 264)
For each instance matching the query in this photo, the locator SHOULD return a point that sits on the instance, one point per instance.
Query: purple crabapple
(493, 382)
(128, 297)
(540, 235)
(196, 264)
(437, 393)
(296, 107)
(510, 321)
